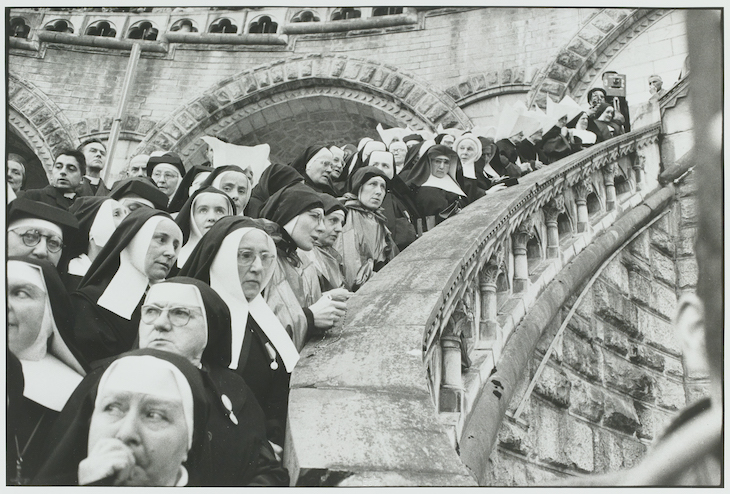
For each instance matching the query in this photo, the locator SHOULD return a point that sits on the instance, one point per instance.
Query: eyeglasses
(166, 176)
(178, 316)
(31, 238)
(246, 258)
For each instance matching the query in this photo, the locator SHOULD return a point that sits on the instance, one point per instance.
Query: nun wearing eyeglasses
(140, 252)
(166, 172)
(315, 166)
(39, 327)
(187, 317)
(294, 292)
(136, 420)
(237, 258)
(366, 244)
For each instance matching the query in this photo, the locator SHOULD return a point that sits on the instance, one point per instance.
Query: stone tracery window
(60, 26)
(223, 25)
(346, 13)
(143, 30)
(380, 11)
(102, 28)
(184, 26)
(263, 25)
(19, 28)
(305, 16)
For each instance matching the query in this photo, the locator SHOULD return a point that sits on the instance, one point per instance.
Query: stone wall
(616, 376)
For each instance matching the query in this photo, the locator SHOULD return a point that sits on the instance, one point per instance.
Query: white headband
(103, 226)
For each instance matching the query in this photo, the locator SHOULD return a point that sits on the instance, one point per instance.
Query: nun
(98, 218)
(294, 293)
(399, 204)
(191, 182)
(366, 147)
(468, 148)
(39, 325)
(237, 258)
(137, 420)
(273, 179)
(140, 252)
(198, 215)
(315, 165)
(136, 192)
(434, 182)
(366, 244)
(235, 182)
(166, 172)
(187, 317)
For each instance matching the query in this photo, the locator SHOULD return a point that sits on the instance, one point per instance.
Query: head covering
(555, 111)
(215, 177)
(364, 174)
(593, 90)
(116, 281)
(51, 365)
(382, 156)
(217, 317)
(191, 232)
(363, 154)
(142, 187)
(421, 176)
(331, 205)
(393, 134)
(274, 178)
(213, 261)
(290, 202)
(254, 158)
(95, 216)
(182, 193)
(468, 166)
(300, 165)
(70, 449)
(168, 158)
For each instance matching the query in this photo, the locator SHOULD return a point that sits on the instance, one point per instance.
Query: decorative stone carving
(454, 358)
(582, 189)
(552, 210)
(609, 172)
(522, 235)
(488, 325)
(639, 166)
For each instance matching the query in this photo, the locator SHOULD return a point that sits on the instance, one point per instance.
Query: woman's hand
(109, 458)
(328, 309)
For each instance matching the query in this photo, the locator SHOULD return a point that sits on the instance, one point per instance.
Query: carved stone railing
(361, 412)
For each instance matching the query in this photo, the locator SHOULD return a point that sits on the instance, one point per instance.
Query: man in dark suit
(95, 154)
(66, 173)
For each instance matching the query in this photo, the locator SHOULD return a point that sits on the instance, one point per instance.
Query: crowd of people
(153, 325)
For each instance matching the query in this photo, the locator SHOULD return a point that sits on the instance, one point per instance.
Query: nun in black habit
(40, 322)
(139, 191)
(273, 179)
(235, 182)
(84, 423)
(261, 350)
(190, 179)
(315, 166)
(236, 425)
(141, 251)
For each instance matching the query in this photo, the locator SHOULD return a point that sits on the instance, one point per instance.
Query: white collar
(444, 183)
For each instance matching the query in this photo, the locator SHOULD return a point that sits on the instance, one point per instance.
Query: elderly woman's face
(173, 320)
(399, 150)
(16, 172)
(320, 167)
(163, 250)
(440, 166)
(235, 185)
(384, 165)
(152, 428)
(208, 209)
(308, 228)
(26, 305)
(166, 179)
(372, 193)
(338, 161)
(256, 256)
(45, 232)
(467, 151)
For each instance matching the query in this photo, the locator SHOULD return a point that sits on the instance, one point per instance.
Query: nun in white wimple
(141, 251)
(40, 322)
(262, 352)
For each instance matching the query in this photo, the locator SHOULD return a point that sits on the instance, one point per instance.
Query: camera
(614, 84)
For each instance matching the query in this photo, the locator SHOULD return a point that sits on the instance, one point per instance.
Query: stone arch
(244, 105)
(589, 51)
(38, 121)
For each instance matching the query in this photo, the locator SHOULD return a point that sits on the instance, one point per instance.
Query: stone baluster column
(519, 248)
(608, 173)
(552, 210)
(582, 189)
(452, 385)
(488, 325)
(638, 166)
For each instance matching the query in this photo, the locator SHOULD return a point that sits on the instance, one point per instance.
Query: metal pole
(117, 123)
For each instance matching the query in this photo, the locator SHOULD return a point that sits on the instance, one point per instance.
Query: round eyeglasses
(31, 238)
(178, 316)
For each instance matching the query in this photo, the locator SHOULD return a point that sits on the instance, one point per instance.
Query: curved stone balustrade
(428, 330)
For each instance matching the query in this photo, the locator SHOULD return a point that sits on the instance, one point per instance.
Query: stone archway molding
(589, 51)
(38, 121)
(405, 97)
